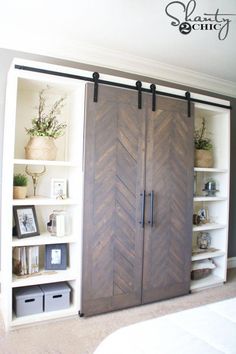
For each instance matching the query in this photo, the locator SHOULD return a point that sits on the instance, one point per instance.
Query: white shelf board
(204, 169)
(46, 163)
(211, 280)
(43, 277)
(208, 199)
(44, 316)
(44, 201)
(206, 255)
(208, 226)
(43, 239)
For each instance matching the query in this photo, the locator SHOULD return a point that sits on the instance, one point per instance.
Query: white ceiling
(130, 35)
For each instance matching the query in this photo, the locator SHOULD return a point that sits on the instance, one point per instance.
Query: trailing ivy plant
(200, 140)
(46, 123)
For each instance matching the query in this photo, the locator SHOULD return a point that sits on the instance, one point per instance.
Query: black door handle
(151, 195)
(142, 195)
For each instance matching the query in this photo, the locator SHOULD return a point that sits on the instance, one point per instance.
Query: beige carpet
(81, 336)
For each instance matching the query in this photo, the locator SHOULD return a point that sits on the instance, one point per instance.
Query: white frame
(63, 183)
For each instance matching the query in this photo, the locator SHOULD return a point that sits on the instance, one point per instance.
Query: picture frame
(55, 257)
(203, 215)
(58, 188)
(26, 223)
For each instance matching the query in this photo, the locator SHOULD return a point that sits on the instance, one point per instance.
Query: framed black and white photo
(56, 257)
(58, 188)
(26, 223)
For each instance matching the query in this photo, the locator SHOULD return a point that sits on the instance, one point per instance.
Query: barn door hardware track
(95, 79)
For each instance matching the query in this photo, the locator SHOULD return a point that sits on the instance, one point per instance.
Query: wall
(6, 57)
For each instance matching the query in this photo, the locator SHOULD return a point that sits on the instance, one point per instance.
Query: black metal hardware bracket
(151, 195)
(188, 98)
(143, 196)
(153, 91)
(116, 84)
(139, 87)
(95, 94)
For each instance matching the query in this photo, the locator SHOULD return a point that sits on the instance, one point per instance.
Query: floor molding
(231, 262)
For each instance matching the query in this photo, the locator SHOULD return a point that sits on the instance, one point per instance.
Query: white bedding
(209, 329)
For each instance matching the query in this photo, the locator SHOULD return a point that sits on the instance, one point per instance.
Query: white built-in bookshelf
(22, 97)
(218, 126)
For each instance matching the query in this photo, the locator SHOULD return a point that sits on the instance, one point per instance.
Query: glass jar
(59, 223)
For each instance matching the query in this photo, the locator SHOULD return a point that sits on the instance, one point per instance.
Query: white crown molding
(122, 61)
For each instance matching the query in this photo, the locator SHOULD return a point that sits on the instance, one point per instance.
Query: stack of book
(25, 260)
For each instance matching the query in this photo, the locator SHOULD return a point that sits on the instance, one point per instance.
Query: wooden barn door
(114, 177)
(169, 186)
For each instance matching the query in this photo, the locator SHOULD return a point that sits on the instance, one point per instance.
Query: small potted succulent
(20, 182)
(203, 147)
(45, 129)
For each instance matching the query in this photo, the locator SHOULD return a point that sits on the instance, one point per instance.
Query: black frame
(48, 265)
(18, 226)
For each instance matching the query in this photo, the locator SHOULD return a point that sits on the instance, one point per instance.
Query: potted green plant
(20, 182)
(203, 147)
(45, 129)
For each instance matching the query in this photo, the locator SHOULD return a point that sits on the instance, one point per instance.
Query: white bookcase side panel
(217, 208)
(7, 191)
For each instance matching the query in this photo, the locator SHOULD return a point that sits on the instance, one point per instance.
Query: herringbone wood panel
(114, 175)
(167, 246)
(121, 265)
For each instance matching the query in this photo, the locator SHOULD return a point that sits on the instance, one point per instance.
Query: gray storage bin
(27, 300)
(56, 296)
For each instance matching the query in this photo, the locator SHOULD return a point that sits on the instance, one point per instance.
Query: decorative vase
(41, 148)
(203, 158)
(19, 192)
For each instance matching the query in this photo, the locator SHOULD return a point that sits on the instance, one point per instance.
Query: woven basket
(200, 273)
(203, 158)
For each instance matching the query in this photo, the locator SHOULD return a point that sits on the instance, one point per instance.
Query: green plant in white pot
(45, 129)
(20, 182)
(203, 147)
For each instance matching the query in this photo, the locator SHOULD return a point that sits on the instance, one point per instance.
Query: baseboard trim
(231, 262)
